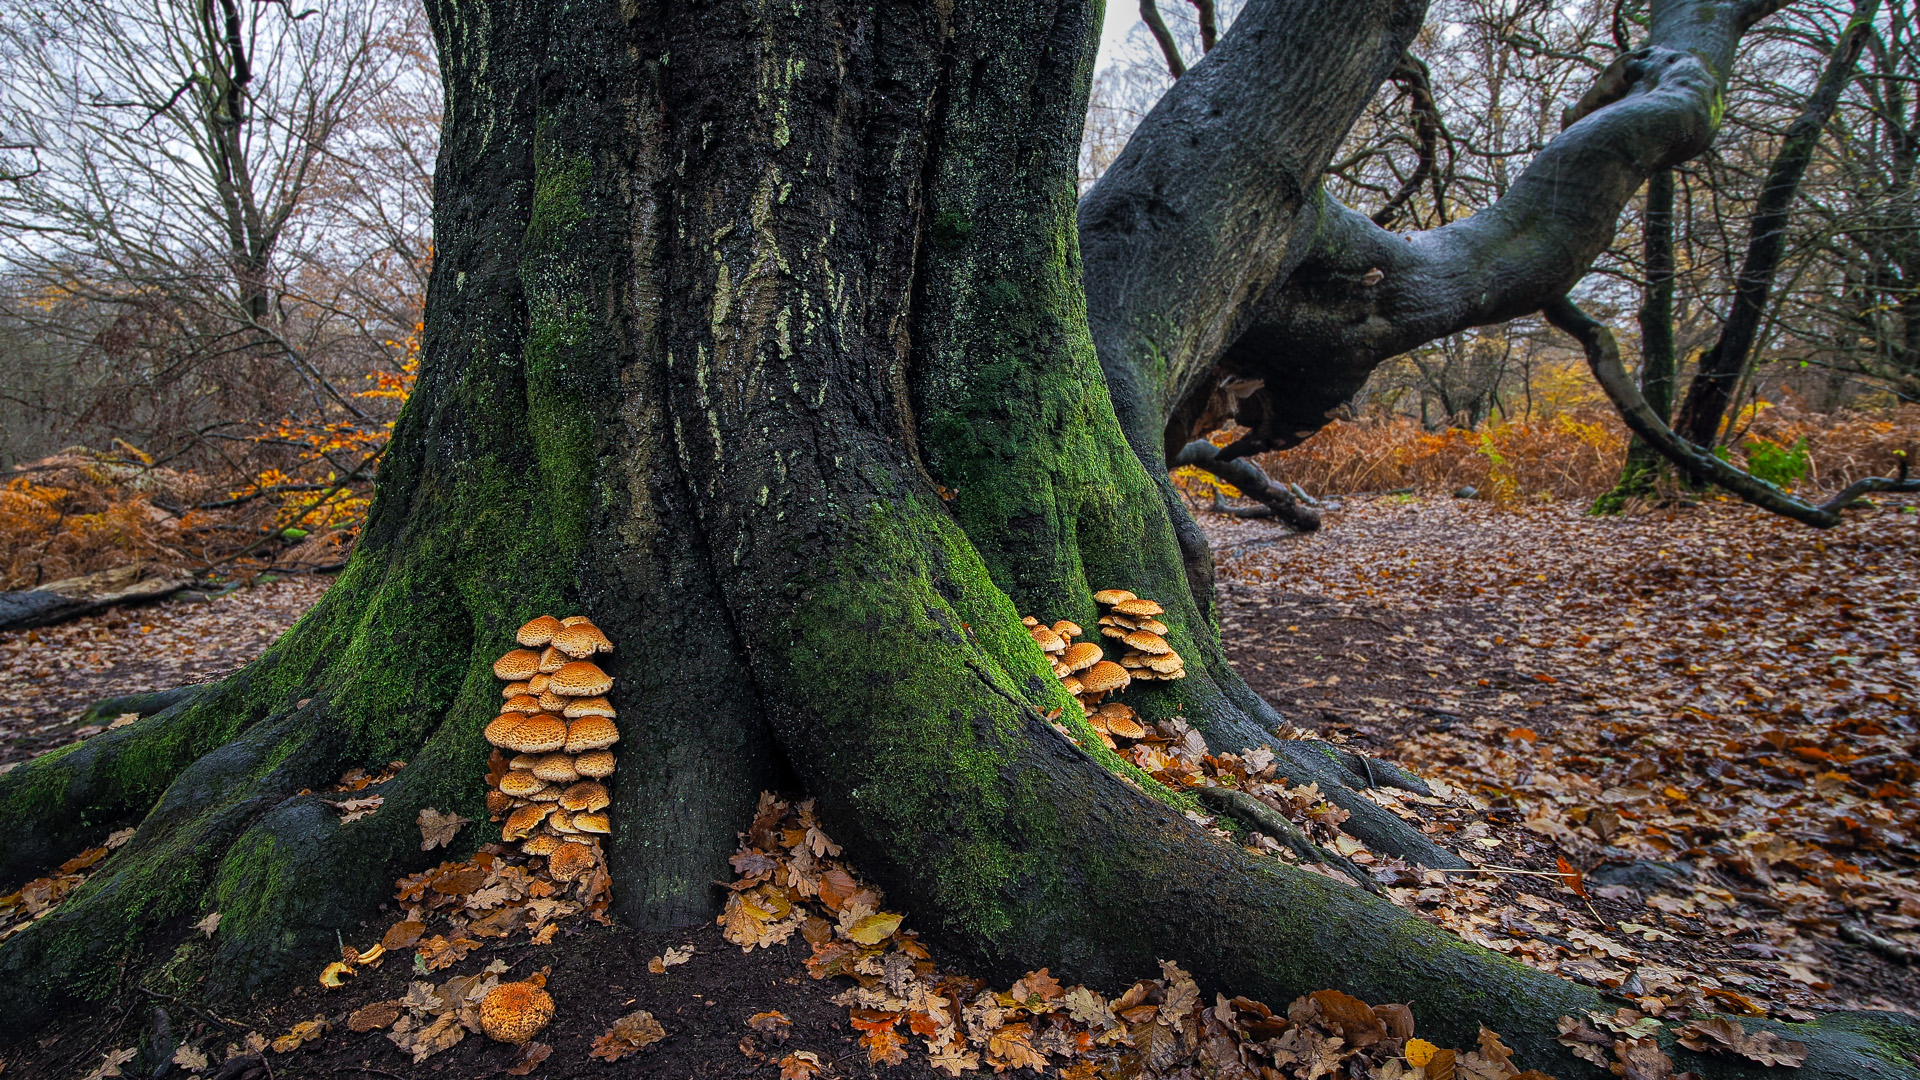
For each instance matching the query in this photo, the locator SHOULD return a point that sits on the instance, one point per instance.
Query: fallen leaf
(628, 1034)
(800, 1065)
(437, 830)
(110, 1064)
(209, 924)
(677, 955)
(304, 1032)
(189, 1058)
(530, 1059)
(335, 975)
(875, 928)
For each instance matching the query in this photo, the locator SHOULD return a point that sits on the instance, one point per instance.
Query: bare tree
(217, 211)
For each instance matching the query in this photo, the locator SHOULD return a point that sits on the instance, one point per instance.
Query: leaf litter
(1681, 745)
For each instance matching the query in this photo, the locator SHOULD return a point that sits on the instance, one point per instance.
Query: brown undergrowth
(1576, 454)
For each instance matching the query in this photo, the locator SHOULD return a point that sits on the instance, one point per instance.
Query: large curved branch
(1203, 210)
(1363, 294)
(1603, 359)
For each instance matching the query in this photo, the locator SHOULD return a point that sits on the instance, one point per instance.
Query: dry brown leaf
(438, 829)
(530, 1058)
(1724, 1034)
(110, 1064)
(800, 1065)
(627, 1035)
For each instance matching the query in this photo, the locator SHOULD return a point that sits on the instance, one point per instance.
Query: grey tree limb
(1603, 358)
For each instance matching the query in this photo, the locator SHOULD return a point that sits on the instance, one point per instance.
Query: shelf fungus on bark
(557, 726)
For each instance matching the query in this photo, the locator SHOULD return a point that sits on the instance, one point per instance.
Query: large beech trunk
(756, 332)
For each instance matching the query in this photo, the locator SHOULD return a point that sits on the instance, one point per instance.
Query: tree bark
(725, 305)
(1638, 473)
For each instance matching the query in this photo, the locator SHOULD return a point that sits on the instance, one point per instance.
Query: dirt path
(1711, 713)
(55, 673)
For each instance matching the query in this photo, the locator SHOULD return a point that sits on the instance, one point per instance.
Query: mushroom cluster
(1132, 621)
(557, 725)
(1081, 666)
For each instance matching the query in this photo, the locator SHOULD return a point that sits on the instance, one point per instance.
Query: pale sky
(1121, 17)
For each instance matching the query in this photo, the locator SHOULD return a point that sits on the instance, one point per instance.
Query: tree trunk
(756, 334)
(1723, 366)
(1642, 467)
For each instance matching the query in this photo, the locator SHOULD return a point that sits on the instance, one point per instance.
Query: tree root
(58, 802)
(1262, 818)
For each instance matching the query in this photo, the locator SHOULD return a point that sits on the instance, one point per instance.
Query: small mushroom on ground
(1067, 628)
(581, 678)
(537, 632)
(581, 640)
(595, 763)
(516, 665)
(515, 1012)
(1029, 621)
(570, 860)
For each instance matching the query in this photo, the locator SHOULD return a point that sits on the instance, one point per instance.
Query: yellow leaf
(875, 929)
(1419, 1052)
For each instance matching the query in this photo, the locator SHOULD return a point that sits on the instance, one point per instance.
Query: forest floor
(1680, 746)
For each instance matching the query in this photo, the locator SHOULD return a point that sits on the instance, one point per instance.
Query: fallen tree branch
(1253, 482)
(1603, 358)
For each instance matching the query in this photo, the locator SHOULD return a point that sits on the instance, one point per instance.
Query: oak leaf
(437, 829)
(875, 928)
(1011, 1047)
(885, 1046)
(190, 1059)
(800, 1065)
(631, 1032)
(110, 1064)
